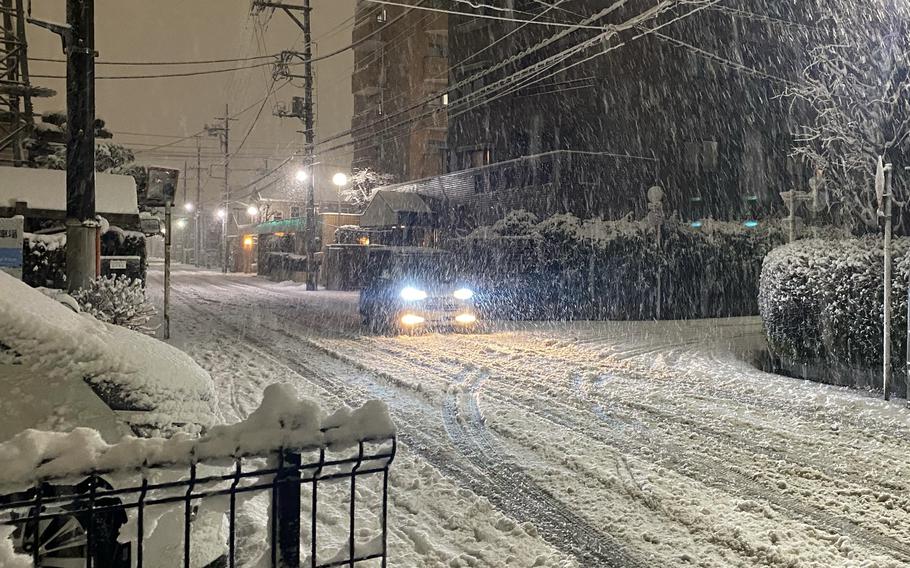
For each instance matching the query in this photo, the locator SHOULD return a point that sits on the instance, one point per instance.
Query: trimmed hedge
(821, 303)
(44, 256)
(567, 268)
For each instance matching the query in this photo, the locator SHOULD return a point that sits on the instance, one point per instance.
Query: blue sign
(11, 258)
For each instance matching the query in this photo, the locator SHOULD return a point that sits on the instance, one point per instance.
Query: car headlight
(464, 294)
(410, 294)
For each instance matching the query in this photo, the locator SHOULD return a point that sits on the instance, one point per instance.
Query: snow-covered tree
(118, 300)
(362, 185)
(852, 103)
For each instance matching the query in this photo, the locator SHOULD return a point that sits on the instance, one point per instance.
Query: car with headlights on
(411, 289)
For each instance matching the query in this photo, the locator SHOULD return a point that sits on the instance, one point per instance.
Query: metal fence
(75, 525)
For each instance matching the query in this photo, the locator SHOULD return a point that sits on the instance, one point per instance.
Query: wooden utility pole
(199, 239)
(81, 228)
(224, 133)
(310, 140)
(309, 128)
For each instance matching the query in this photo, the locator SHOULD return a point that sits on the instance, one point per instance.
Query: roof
(46, 189)
(398, 201)
(384, 208)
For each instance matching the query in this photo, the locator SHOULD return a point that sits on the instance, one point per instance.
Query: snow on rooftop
(46, 189)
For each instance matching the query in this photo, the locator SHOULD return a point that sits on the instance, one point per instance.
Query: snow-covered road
(584, 444)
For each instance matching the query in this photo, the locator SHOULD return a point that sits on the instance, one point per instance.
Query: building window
(439, 46)
(701, 156)
(709, 156)
(295, 212)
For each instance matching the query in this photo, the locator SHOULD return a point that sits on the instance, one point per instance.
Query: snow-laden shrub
(569, 268)
(44, 256)
(519, 223)
(821, 302)
(118, 300)
(44, 260)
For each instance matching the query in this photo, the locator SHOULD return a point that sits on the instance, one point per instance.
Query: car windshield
(435, 267)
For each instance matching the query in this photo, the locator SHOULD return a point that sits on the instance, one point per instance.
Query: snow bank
(281, 421)
(128, 370)
(8, 557)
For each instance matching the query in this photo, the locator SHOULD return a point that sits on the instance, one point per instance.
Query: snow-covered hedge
(44, 256)
(821, 303)
(565, 267)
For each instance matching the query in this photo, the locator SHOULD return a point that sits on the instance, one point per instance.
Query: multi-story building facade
(400, 74)
(693, 106)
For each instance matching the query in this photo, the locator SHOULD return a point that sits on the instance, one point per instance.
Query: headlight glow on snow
(411, 319)
(410, 294)
(464, 294)
(465, 319)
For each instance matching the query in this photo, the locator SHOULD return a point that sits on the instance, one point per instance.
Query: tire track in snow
(713, 471)
(554, 521)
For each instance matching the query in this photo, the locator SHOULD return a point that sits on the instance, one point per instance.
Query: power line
(490, 16)
(164, 75)
(150, 63)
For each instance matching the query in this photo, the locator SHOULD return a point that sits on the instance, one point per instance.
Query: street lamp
(301, 175)
(340, 180)
(252, 211)
(181, 223)
(221, 214)
(188, 207)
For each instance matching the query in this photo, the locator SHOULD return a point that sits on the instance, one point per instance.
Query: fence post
(286, 513)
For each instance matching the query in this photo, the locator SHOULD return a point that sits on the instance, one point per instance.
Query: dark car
(409, 288)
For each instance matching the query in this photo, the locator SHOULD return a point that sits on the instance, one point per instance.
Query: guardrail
(58, 523)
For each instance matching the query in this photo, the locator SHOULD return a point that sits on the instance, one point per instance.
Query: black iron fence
(103, 520)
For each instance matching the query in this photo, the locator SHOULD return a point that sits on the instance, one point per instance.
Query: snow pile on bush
(128, 370)
(118, 300)
(565, 267)
(282, 421)
(44, 256)
(821, 302)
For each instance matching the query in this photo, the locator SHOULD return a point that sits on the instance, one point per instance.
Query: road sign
(11, 230)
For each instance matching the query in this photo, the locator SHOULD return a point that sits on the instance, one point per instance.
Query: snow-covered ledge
(282, 421)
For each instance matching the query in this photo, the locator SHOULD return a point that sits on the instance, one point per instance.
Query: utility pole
(309, 132)
(224, 133)
(310, 140)
(886, 344)
(81, 227)
(199, 240)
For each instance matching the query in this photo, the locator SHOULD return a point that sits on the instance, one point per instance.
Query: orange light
(364, 240)
(279, 234)
(248, 242)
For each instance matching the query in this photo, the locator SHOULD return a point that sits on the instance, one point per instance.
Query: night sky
(174, 30)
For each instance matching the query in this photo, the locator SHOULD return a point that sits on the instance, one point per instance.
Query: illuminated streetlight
(252, 210)
(221, 214)
(301, 175)
(188, 207)
(181, 223)
(340, 179)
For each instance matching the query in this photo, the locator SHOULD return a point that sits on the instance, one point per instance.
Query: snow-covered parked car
(60, 370)
(57, 363)
(410, 288)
